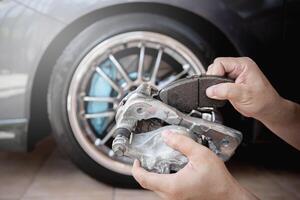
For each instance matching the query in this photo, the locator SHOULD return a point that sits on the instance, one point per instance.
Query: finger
(182, 143)
(230, 91)
(215, 70)
(229, 65)
(149, 180)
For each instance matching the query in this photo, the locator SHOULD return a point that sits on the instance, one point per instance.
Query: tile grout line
(35, 175)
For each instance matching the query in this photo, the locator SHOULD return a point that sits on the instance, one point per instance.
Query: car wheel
(99, 67)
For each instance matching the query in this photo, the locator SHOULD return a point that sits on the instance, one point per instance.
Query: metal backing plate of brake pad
(190, 93)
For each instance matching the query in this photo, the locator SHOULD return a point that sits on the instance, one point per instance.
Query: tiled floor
(47, 174)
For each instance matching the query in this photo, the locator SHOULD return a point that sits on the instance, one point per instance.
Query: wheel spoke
(141, 63)
(156, 66)
(100, 99)
(99, 115)
(182, 73)
(108, 135)
(108, 79)
(185, 70)
(120, 69)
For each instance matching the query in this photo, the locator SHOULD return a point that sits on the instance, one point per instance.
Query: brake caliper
(181, 107)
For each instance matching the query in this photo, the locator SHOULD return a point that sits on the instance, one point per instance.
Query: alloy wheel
(111, 70)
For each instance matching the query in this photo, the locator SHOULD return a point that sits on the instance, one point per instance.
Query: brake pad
(190, 93)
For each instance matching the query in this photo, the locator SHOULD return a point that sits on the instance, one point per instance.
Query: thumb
(230, 91)
(183, 144)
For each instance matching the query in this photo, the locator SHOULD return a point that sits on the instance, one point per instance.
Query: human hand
(204, 177)
(251, 94)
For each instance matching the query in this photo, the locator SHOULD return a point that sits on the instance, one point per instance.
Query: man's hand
(251, 94)
(204, 177)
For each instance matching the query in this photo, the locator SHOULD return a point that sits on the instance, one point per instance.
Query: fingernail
(210, 91)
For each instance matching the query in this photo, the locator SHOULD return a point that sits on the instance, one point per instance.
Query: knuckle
(218, 59)
(224, 59)
(247, 59)
(210, 67)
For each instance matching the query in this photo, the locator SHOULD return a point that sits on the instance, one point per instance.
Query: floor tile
(17, 170)
(123, 194)
(60, 178)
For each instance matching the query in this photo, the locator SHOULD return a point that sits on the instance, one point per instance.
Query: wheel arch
(39, 122)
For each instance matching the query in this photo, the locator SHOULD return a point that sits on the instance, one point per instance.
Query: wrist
(279, 114)
(272, 110)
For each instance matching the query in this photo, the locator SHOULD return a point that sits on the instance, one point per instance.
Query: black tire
(72, 55)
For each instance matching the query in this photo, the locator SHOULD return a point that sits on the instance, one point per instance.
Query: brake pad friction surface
(190, 93)
(182, 95)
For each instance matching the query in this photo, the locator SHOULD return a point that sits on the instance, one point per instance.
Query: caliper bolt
(120, 142)
(119, 150)
(119, 145)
